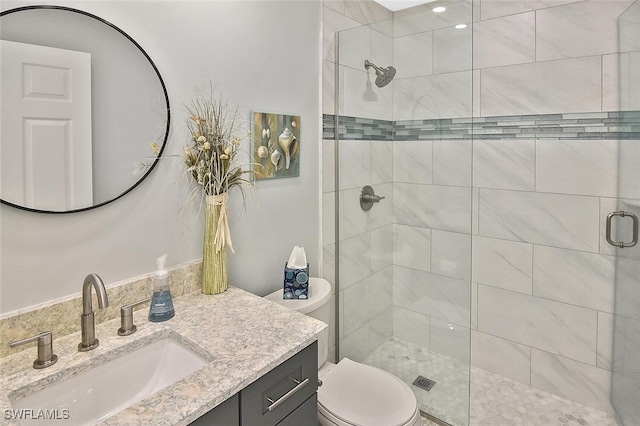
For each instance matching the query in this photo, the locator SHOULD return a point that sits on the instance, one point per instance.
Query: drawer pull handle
(287, 395)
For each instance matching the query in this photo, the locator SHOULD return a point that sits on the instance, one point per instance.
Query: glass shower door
(404, 265)
(625, 385)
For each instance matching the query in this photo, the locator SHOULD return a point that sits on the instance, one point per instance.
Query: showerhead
(383, 75)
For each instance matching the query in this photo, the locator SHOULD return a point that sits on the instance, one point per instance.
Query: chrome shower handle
(621, 244)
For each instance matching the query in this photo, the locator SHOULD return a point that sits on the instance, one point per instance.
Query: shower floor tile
(495, 400)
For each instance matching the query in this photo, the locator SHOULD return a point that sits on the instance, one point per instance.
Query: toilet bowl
(352, 394)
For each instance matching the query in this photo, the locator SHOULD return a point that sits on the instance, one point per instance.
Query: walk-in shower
(383, 75)
(501, 148)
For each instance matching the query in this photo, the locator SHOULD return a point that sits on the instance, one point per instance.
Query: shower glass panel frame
(403, 269)
(625, 383)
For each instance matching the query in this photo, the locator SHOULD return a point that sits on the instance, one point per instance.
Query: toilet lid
(362, 395)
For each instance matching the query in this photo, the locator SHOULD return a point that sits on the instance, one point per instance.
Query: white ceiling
(394, 5)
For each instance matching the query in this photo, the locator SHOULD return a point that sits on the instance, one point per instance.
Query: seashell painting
(276, 145)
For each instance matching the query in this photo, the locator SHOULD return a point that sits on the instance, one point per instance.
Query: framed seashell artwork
(276, 145)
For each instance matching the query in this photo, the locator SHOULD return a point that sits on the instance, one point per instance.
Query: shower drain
(423, 383)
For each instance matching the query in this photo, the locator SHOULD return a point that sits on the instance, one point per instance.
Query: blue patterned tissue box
(296, 282)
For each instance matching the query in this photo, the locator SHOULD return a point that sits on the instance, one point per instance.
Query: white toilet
(352, 394)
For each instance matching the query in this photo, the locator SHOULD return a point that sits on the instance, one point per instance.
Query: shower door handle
(622, 244)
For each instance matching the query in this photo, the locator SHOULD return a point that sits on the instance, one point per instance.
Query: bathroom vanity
(257, 355)
(285, 396)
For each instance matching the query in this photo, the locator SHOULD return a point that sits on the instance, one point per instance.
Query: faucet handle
(127, 326)
(46, 357)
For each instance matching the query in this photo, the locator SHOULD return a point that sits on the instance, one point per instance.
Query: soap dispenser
(161, 302)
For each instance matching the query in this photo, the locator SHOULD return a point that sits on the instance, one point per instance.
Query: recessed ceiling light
(394, 5)
(439, 9)
(461, 26)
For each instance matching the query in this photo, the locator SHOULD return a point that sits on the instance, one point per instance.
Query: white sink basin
(102, 391)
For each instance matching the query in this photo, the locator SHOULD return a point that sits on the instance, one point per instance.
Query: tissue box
(296, 282)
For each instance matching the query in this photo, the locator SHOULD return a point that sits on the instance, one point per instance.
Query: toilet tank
(316, 306)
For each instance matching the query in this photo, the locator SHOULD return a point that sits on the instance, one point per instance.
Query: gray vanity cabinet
(285, 396)
(225, 414)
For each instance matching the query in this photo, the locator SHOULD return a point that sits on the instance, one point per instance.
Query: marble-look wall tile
(328, 87)
(504, 164)
(570, 379)
(452, 163)
(503, 264)
(580, 167)
(337, 5)
(437, 296)
(412, 21)
(628, 26)
(356, 221)
(360, 97)
(356, 346)
(413, 162)
(355, 47)
(449, 339)
(626, 350)
(412, 247)
(571, 85)
(381, 50)
(447, 208)
(355, 164)
(620, 83)
(451, 254)
(501, 356)
(366, 299)
(579, 29)
(381, 162)
(329, 263)
(355, 260)
(435, 96)
(624, 393)
(381, 248)
(452, 50)
(328, 218)
(413, 55)
(628, 170)
(411, 326)
(605, 341)
(333, 22)
(566, 330)
(541, 218)
(366, 12)
(627, 296)
(504, 41)
(578, 278)
(495, 8)
(353, 220)
(380, 329)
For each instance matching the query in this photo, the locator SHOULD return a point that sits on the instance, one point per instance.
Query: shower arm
(368, 64)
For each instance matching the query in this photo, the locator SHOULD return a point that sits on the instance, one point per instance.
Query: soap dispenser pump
(161, 301)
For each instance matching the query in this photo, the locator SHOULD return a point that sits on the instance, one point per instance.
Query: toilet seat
(354, 394)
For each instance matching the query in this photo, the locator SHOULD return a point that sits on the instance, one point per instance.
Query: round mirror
(82, 106)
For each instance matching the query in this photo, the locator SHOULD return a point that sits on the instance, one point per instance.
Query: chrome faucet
(87, 320)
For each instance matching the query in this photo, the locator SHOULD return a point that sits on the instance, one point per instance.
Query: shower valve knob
(368, 197)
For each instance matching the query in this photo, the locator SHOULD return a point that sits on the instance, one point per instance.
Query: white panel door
(45, 150)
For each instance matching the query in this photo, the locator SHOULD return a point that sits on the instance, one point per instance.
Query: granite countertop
(242, 336)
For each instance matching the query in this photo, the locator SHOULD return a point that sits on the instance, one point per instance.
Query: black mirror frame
(164, 89)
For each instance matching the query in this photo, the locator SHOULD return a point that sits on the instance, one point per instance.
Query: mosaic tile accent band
(592, 125)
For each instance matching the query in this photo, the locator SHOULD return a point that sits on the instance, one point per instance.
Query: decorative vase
(214, 257)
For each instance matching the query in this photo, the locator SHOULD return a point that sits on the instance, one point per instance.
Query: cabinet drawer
(279, 392)
(225, 414)
(304, 415)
